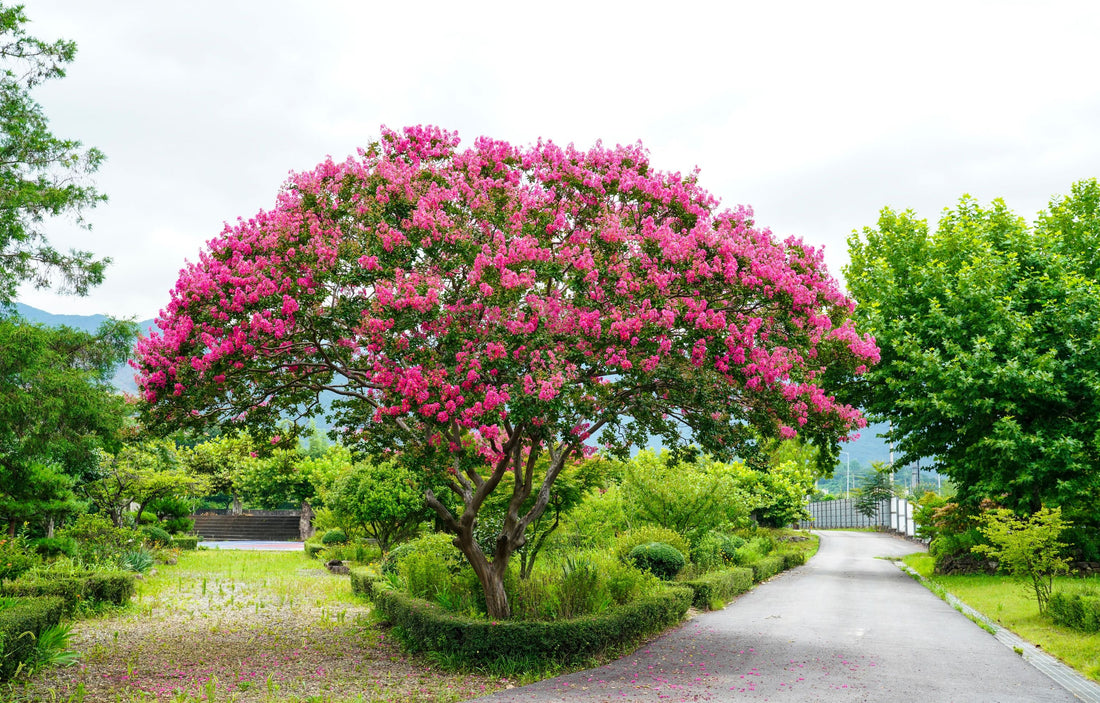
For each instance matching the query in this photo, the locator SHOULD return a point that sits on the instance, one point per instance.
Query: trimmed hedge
(792, 559)
(313, 547)
(719, 585)
(766, 567)
(20, 623)
(421, 625)
(363, 582)
(1076, 610)
(185, 541)
(93, 587)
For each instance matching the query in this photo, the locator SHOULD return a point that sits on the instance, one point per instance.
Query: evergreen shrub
(94, 587)
(646, 534)
(718, 586)
(766, 567)
(334, 536)
(1080, 611)
(185, 541)
(716, 550)
(364, 581)
(156, 536)
(662, 560)
(421, 625)
(21, 620)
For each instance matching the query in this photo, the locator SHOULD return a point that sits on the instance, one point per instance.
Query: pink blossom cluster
(497, 286)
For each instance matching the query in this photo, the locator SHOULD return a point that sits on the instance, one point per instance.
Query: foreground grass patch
(245, 626)
(1010, 603)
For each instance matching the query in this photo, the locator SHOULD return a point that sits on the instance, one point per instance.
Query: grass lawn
(244, 626)
(1011, 603)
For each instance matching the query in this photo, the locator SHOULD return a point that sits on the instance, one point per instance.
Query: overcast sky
(816, 114)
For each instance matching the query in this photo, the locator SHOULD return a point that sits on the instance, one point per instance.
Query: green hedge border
(1075, 610)
(115, 588)
(186, 542)
(20, 624)
(421, 625)
(719, 585)
(363, 582)
(766, 567)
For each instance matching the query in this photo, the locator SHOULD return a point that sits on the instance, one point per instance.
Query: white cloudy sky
(817, 114)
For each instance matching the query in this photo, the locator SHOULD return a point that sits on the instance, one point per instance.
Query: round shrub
(335, 536)
(646, 534)
(147, 518)
(660, 559)
(156, 536)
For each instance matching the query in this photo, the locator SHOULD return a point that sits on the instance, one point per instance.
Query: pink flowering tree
(476, 310)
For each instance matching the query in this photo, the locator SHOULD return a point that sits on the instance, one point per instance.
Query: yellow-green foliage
(646, 534)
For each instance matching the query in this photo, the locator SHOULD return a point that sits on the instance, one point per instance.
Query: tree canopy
(988, 331)
(41, 176)
(478, 308)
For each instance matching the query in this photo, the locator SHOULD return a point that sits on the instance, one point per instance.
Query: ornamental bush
(114, 588)
(156, 536)
(21, 620)
(423, 626)
(713, 589)
(716, 550)
(646, 534)
(1080, 611)
(662, 560)
(334, 536)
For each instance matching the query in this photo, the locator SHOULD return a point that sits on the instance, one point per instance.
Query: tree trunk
(491, 575)
(49, 528)
(305, 521)
(235, 509)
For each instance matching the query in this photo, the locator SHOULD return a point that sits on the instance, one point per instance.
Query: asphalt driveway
(847, 626)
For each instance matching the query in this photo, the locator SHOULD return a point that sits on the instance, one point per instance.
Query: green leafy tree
(779, 490)
(57, 409)
(41, 176)
(687, 497)
(1027, 546)
(990, 357)
(384, 500)
(139, 474)
(222, 460)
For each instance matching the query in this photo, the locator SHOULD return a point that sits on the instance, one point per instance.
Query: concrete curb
(1065, 676)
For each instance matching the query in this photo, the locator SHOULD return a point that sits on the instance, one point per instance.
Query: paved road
(845, 627)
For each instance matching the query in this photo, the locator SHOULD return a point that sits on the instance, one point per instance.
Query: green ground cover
(244, 626)
(1010, 602)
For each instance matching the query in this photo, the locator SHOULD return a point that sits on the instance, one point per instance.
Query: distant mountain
(124, 375)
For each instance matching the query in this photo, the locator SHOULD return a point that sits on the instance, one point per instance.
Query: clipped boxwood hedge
(793, 559)
(1077, 610)
(766, 567)
(719, 585)
(185, 541)
(115, 587)
(313, 547)
(363, 582)
(21, 619)
(425, 626)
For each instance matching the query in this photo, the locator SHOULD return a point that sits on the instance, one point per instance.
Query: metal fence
(892, 513)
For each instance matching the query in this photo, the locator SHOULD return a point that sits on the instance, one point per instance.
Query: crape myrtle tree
(477, 309)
